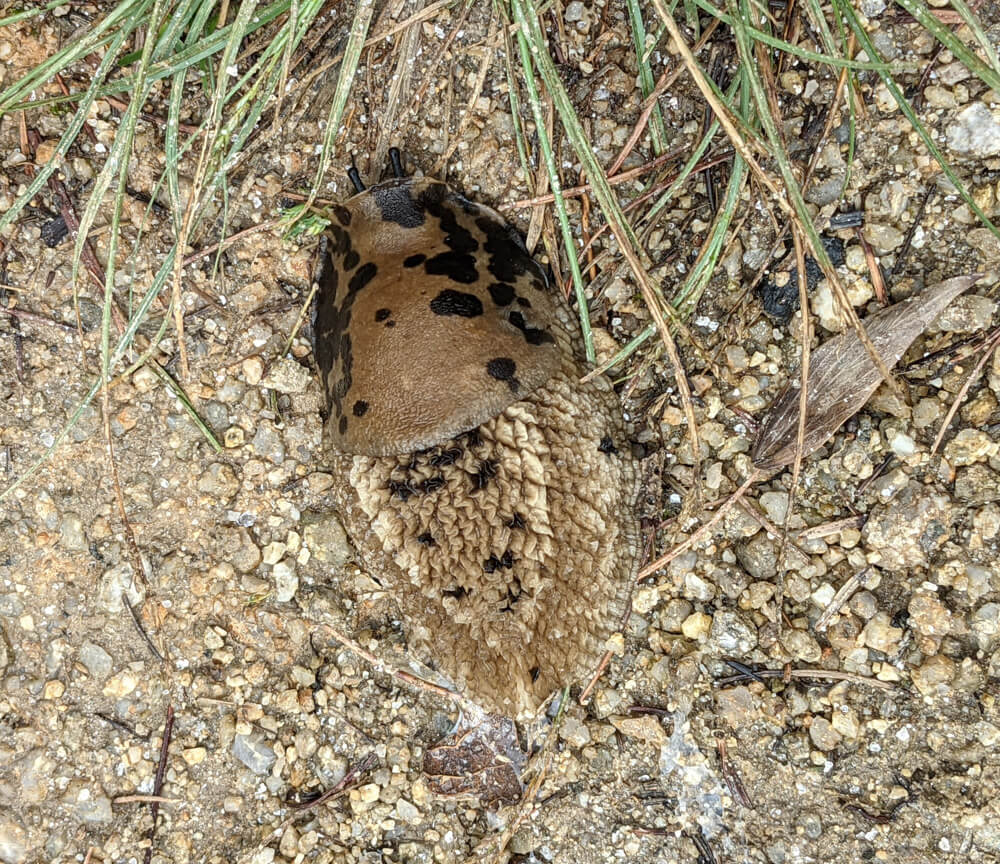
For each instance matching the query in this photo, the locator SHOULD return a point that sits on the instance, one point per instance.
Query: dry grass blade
(842, 376)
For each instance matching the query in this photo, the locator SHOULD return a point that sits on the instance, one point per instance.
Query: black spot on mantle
(503, 369)
(449, 302)
(457, 266)
(396, 204)
(532, 335)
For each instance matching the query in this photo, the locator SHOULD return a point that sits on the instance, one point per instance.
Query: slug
(491, 490)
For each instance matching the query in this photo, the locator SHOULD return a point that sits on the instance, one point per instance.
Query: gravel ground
(886, 750)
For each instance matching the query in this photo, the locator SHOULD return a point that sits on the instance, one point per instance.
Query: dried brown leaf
(842, 375)
(483, 762)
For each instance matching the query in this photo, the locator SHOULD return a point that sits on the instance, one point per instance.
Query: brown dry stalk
(734, 127)
(409, 678)
(726, 506)
(991, 346)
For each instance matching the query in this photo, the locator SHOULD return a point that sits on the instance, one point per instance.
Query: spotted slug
(483, 483)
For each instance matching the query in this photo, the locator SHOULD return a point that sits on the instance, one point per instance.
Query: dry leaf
(842, 375)
(483, 762)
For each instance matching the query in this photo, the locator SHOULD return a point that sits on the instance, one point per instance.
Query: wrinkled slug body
(491, 491)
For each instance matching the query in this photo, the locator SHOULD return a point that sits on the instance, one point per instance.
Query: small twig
(114, 721)
(828, 674)
(142, 630)
(817, 532)
(598, 672)
(731, 775)
(667, 557)
(874, 270)
(614, 180)
(844, 594)
(239, 235)
(403, 675)
(342, 788)
(344, 785)
(991, 346)
(904, 250)
(36, 318)
(161, 770)
(146, 799)
(889, 815)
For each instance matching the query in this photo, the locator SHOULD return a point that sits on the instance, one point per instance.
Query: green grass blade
(852, 20)
(569, 242)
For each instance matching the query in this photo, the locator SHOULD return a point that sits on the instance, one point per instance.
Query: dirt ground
(878, 738)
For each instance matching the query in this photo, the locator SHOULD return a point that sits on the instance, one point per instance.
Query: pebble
(969, 313)
(286, 581)
(113, 584)
(253, 370)
(823, 735)
(219, 480)
(97, 661)
(977, 485)
(884, 238)
(902, 533)
(737, 706)
(697, 626)
(326, 539)
(6, 652)
(607, 701)
(974, 132)
(731, 635)
(287, 376)
(407, 812)
(267, 443)
(674, 614)
(775, 504)
(13, 841)
(928, 615)
(574, 732)
(90, 808)
(934, 676)
(194, 755)
(645, 728)
(71, 534)
(879, 634)
(801, 645)
(985, 624)
(253, 752)
(970, 446)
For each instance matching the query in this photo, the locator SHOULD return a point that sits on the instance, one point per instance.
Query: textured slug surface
(511, 540)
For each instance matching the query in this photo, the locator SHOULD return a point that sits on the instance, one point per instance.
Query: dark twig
(748, 674)
(884, 818)
(346, 782)
(731, 775)
(705, 853)
(142, 630)
(904, 250)
(25, 315)
(114, 721)
(161, 770)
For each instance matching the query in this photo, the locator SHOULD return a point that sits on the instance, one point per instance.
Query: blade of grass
(555, 183)
(854, 23)
(804, 53)
(657, 127)
(345, 80)
(968, 58)
(659, 309)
